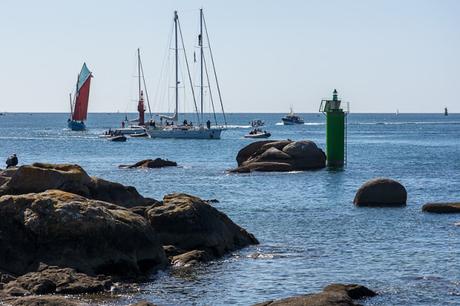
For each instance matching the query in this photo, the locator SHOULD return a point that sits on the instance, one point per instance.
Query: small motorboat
(258, 133)
(139, 135)
(117, 138)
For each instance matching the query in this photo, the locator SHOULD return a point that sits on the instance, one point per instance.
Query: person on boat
(123, 124)
(191, 123)
(167, 123)
(208, 124)
(12, 161)
(185, 122)
(153, 124)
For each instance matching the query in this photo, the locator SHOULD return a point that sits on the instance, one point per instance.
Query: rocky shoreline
(64, 232)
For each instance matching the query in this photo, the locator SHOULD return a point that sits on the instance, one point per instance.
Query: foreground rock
(381, 192)
(67, 230)
(332, 295)
(149, 163)
(442, 208)
(283, 155)
(193, 231)
(45, 300)
(39, 177)
(52, 280)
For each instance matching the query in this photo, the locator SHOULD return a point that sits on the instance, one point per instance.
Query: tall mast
(200, 42)
(139, 72)
(176, 53)
(71, 110)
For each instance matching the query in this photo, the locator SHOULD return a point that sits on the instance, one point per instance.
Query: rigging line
(214, 69)
(145, 88)
(184, 100)
(188, 71)
(166, 57)
(210, 91)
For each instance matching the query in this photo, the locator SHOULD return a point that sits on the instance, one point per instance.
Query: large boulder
(380, 192)
(39, 177)
(151, 163)
(442, 208)
(284, 155)
(186, 223)
(249, 150)
(67, 230)
(332, 295)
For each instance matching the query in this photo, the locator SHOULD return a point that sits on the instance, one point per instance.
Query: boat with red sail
(79, 103)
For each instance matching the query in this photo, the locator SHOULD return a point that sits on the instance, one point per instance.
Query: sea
(310, 232)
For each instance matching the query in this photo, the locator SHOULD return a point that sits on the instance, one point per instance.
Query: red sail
(141, 109)
(81, 102)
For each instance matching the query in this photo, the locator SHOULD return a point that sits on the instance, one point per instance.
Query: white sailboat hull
(130, 130)
(185, 133)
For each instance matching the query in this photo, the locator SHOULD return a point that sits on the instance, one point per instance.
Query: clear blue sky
(380, 55)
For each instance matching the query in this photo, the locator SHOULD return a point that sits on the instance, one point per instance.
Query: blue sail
(83, 76)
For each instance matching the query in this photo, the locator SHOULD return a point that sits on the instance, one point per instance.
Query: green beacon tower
(336, 132)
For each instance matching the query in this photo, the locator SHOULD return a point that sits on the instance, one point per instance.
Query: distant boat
(446, 113)
(397, 112)
(291, 119)
(256, 123)
(79, 103)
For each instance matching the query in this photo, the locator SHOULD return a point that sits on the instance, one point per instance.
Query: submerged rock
(68, 230)
(283, 155)
(40, 177)
(51, 280)
(150, 163)
(332, 295)
(442, 208)
(186, 223)
(381, 192)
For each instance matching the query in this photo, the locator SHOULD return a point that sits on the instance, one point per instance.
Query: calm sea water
(310, 232)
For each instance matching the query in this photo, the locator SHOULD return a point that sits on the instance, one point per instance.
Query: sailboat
(79, 103)
(170, 126)
(138, 129)
(446, 113)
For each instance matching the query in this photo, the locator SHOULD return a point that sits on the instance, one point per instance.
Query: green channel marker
(335, 131)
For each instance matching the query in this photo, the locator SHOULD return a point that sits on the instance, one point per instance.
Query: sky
(381, 55)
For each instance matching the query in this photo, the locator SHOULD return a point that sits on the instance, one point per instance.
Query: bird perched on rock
(12, 161)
